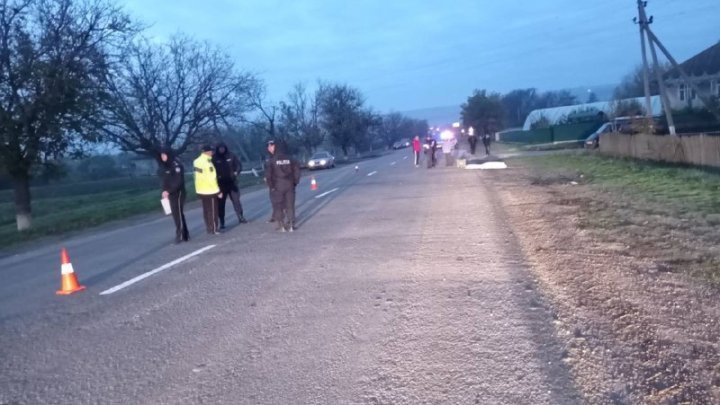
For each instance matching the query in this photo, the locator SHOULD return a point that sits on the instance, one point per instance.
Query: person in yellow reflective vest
(207, 189)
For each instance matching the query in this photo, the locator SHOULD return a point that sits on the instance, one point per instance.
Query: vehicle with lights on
(440, 136)
(321, 160)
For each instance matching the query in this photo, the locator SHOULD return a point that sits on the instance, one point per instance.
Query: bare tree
(53, 56)
(258, 101)
(172, 95)
(299, 118)
(342, 114)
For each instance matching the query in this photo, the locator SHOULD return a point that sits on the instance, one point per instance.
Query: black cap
(207, 148)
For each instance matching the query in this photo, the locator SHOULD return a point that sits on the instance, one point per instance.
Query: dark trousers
(177, 206)
(210, 212)
(234, 196)
(283, 202)
(473, 144)
(431, 158)
(486, 143)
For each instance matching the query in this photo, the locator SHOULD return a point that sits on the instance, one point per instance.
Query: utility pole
(645, 29)
(646, 75)
(653, 40)
(708, 103)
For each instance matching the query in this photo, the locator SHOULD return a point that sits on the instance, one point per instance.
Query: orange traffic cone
(313, 184)
(69, 281)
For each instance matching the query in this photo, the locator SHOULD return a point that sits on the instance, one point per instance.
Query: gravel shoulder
(636, 327)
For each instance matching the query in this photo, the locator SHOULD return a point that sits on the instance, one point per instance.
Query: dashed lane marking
(155, 271)
(372, 174)
(327, 192)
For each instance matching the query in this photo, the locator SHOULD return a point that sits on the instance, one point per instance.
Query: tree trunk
(22, 202)
(345, 151)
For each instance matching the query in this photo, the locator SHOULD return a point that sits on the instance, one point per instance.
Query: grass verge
(56, 213)
(665, 213)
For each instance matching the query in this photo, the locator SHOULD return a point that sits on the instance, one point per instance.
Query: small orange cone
(69, 281)
(313, 184)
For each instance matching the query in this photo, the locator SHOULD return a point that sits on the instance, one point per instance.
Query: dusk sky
(407, 54)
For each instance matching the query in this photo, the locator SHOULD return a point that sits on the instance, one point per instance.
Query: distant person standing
(431, 150)
(417, 148)
(486, 142)
(472, 140)
(228, 168)
(207, 189)
(173, 186)
(266, 163)
(282, 176)
(447, 148)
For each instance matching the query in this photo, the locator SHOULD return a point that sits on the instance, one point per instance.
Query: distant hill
(436, 115)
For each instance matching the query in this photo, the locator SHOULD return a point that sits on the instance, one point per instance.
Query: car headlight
(323, 162)
(311, 163)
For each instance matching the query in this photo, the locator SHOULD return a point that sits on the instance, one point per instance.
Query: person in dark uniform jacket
(431, 151)
(282, 175)
(228, 167)
(172, 173)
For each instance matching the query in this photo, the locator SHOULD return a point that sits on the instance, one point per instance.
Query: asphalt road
(402, 286)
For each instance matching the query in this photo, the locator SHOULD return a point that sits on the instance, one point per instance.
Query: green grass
(667, 214)
(63, 209)
(687, 189)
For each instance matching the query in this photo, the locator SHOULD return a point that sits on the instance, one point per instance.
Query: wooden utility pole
(645, 29)
(646, 75)
(708, 103)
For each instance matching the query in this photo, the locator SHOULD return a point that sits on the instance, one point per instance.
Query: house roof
(706, 62)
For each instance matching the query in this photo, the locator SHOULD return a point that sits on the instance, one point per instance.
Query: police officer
(207, 189)
(173, 185)
(282, 176)
(228, 168)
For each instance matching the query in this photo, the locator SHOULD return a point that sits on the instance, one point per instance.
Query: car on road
(593, 141)
(638, 125)
(401, 144)
(321, 160)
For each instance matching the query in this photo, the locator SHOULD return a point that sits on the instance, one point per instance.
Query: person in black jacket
(173, 185)
(431, 151)
(228, 167)
(282, 175)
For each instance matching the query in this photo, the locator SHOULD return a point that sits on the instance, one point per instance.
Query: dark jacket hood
(218, 152)
(170, 154)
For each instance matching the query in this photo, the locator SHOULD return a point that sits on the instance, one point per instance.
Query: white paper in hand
(166, 206)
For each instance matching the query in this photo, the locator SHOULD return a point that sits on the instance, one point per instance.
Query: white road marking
(393, 163)
(372, 174)
(405, 158)
(327, 192)
(157, 270)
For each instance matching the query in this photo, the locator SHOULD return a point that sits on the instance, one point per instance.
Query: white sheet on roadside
(486, 166)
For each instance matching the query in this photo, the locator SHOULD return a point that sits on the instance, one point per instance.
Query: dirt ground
(628, 279)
